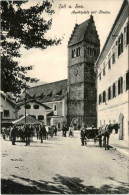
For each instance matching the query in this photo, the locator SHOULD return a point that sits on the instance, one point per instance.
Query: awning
(29, 120)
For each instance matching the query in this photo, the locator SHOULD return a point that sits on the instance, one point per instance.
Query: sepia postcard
(64, 98)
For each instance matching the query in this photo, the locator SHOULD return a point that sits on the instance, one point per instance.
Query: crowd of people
(26, 133)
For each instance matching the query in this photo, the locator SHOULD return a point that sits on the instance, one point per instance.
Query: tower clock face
(75, 72)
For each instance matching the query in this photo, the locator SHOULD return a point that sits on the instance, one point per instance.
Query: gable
(91, 35)
(6, 103)
(78, 33)
(84, 31)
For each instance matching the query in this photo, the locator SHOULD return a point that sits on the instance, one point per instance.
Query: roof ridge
(7, 98)
(85, 21)
(47, 84)
(76, 25)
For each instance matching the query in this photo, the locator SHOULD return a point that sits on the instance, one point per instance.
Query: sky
(51, 64)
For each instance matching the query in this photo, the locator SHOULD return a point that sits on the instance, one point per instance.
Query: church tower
(83, 50)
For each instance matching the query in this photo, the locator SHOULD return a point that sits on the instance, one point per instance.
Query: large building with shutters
(112, 69)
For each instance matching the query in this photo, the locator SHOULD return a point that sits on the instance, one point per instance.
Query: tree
(22, 27)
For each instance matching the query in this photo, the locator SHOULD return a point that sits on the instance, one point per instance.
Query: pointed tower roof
(79, 32)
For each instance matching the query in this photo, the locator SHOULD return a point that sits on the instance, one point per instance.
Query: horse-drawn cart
(88, 134)
(91, 133)
(104, 134)
(101, 135)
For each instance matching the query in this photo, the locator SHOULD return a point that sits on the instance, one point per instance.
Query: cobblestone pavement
(61, 165)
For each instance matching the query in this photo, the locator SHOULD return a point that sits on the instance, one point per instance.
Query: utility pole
(25, 105)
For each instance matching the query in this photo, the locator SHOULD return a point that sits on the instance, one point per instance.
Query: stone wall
(81, 77)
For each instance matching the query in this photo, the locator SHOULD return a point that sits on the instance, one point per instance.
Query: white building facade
(113, 76)
(35, 109)
(8, 108)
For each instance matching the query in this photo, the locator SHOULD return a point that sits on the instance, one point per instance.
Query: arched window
(72, 54)
(36, 106)
(59, 125)
(54, 107)
(78, 51)
(40, 117)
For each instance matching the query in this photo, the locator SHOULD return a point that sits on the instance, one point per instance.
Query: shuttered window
(127, 34)
(40, 117)
(127, 81)
(104, 72)
(120, 85)
(99, 98)
(120, 44)
(6, 113)
(113, 58)
(109, 93)
(104, 96)
(114, 90)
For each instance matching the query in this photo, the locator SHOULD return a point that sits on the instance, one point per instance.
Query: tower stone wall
(83, 50)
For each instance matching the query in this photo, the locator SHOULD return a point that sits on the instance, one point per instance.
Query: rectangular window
(109, 64)
(100, 76)
(127, 81)
(113, 58)
(109, 93)
(54, 107)
(36, 106)
(28, 106)
(120, 85)
(114, 90)
(116, 49)
(120, 44)
(99, 98)
(72, 54)
(104, 96)
(6, 113)
(104, 72)
(78, 51)
(109, 61)
(127, 34)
